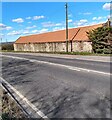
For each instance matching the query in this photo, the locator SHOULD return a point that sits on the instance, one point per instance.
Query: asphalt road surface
(68, 88)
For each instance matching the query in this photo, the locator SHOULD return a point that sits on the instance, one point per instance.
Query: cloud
(18, 20)
(94, 18)
(97, 22)
(28, 18)
(8, 28)
(58, 24)
(34, 26)
(40, 31)
(26, 32)
(81, 22)
(86, 13)
(1, 35)
(107, 6)
(58, 28)
(50, 24)
(4, 27)
(99, 18)
(38, 17)
(14, 33)
(109, 16)
(35, 17)
(70, 20)
(35, 31)
(43, 30)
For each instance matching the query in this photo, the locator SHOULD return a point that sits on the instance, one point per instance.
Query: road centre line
(41, 114)
(60, 65)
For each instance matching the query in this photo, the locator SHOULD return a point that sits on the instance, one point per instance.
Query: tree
(7, 46)
(101, 38)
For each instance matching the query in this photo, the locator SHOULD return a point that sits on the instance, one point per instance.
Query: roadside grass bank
(63, 53)
(10, 109)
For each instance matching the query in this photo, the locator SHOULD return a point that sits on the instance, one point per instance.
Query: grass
(63, 53)
(10, 109)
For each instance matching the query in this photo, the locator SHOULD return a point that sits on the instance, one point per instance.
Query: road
(60, 87)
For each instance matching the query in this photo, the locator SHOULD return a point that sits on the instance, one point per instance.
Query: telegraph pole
(66, 6)
(108, 22)
(1, 44)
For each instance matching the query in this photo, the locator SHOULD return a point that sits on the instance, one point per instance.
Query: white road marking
(41, 114)
(61, 65)
(72, 68)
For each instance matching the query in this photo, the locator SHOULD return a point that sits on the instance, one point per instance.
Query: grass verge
(63, 53)
(10, 109)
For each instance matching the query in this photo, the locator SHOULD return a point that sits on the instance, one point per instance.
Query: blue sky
(26, 18)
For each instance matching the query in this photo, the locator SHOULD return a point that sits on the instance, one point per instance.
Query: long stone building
(56, 41)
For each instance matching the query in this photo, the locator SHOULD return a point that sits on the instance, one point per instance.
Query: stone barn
(56, 41)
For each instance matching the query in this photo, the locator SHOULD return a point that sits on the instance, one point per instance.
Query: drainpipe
(71, 45)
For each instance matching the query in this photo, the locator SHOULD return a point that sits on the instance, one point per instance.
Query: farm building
(56, 41)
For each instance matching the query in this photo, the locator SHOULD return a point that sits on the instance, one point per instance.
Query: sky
(27, 18)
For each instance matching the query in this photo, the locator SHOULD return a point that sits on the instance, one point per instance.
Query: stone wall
(54, 47)
(41, 47)
(82, 46)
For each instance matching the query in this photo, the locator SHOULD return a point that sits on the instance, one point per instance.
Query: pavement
(61, 87)
(79, 57)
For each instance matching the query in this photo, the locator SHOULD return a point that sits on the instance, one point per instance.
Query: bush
(99, 51)
(8, 46)
(107, 51)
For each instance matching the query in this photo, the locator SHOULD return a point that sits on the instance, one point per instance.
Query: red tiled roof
(75, 34)
(82, 35)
